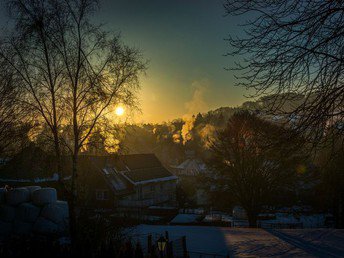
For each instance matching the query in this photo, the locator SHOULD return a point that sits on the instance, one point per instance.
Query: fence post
(169, 252)
(149, 244)
(169, 249)
(185, 251)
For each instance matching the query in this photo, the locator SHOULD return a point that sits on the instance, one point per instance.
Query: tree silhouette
(292, 49)
(14, 123)
(72, 73)
(30, 54)
(256, 160)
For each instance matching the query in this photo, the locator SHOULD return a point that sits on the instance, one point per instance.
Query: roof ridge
(146, 168)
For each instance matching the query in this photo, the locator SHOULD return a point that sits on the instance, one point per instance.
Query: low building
(195, 178)
(117, 182)
(190, 167)
(135, 181)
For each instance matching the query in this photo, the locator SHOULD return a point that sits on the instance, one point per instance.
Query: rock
(17, 196)
(7, 213)
(27, 212)
(44, 196)
(21, 228)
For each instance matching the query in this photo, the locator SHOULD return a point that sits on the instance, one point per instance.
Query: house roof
(136, 161)
(148, 174)
(136, 168)
(119, 170)
(191, 166)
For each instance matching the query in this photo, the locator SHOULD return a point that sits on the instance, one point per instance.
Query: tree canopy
(292, 49)
(257, 159)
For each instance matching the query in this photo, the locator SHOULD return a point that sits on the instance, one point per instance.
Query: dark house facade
(135, 181)
(117, 182)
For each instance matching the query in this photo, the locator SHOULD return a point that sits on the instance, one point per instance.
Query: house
(129, 182)
(191, 166)
(195, 178)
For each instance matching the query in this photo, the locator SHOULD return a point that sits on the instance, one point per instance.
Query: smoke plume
(195, 105)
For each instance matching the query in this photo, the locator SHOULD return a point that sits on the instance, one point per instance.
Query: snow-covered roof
(192, 166)
(153, 180)
(120, 171)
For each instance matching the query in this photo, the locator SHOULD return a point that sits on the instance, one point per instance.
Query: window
(161, 187)
(3, 161)
(102, 195)
(152, 188)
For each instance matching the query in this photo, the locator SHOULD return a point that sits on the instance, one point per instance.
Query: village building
(125, 183)
(133, 181)
(191, 166)
(192, 172)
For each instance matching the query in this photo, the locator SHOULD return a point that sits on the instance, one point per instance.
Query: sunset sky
(184, 43)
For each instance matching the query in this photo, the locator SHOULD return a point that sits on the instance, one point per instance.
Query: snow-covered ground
(244, 242)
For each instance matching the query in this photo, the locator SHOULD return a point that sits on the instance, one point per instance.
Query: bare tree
(100, 72)
(251, 164)
(28, 51)
(13, 123)
(74, 72)
(331, 185)
(294, 51)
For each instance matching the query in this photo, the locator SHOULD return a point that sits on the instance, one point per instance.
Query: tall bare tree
(28, 51)
(74, 72)
(100, 71)
(14, 124)
(256, 160)
(294, 51)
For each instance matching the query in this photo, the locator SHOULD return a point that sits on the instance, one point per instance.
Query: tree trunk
(58, 158)
(339, 211)
(252, 218)
(72, 201)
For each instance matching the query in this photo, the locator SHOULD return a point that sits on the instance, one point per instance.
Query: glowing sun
(119, 111)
